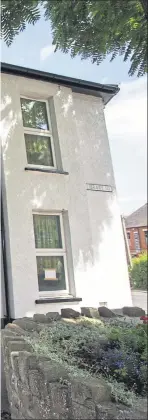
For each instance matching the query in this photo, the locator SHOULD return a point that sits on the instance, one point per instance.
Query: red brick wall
(142, 241)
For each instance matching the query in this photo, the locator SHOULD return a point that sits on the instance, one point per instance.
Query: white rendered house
(62, 236)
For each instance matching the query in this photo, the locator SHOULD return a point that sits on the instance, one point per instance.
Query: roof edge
(81, 85)
(135, 225)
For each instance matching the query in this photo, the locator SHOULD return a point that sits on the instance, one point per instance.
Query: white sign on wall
(99, 187)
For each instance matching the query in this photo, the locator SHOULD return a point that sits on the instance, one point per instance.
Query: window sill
(41, 169)
(58, 300)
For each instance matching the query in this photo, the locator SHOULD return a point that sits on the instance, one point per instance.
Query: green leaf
(89, 28)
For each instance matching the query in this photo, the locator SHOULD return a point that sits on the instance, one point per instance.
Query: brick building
(137, 230)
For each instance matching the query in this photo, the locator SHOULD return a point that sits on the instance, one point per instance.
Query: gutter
(59, 79)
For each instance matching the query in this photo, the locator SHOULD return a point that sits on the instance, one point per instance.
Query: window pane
(34, 114)
(146, 237)
(51, 263)
(38, 150)
(47, 231)
(137, 243)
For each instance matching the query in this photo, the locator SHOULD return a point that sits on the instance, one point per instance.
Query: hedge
(139, 272)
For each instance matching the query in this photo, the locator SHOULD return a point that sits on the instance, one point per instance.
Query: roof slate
(138, 218)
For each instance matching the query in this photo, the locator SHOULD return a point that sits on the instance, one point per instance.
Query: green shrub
(121, 355)
(117, 352)
(139, 271)
(120, 394)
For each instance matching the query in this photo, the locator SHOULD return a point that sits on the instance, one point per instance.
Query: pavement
(139, 298)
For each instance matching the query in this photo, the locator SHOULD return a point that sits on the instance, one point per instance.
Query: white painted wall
(99, 259)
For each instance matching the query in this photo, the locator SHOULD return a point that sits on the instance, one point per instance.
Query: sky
(126, 117)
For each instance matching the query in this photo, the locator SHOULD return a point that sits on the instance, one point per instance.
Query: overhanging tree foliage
(91, 28)
(14, 16)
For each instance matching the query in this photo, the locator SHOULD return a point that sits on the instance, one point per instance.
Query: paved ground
(139, 298)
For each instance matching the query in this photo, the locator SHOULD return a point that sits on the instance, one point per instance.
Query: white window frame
(51, 252)
(40, 132)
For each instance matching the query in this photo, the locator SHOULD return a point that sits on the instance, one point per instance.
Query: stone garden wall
(39, 388)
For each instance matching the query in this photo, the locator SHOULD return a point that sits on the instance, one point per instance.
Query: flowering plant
(144, 318)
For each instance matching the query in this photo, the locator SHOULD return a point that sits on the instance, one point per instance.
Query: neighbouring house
(62, 238)
(137, 230)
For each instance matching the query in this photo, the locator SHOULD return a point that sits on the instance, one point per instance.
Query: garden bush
(139, 271)
(117, 352)
(121, 356)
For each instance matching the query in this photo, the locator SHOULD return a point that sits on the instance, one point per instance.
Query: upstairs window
(146, 237)
(37, 133)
